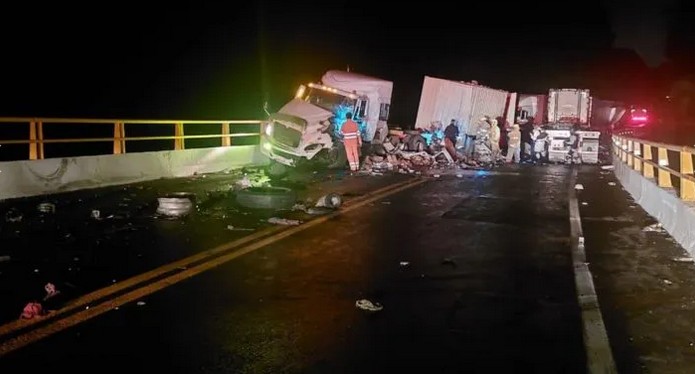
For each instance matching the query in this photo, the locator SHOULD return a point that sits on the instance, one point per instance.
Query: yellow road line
(94, 296)
(61, 324)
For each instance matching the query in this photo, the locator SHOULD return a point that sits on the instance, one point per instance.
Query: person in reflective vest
(352, 141)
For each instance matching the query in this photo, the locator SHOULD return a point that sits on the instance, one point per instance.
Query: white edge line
(599, 356)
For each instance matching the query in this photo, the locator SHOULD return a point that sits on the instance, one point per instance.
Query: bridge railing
(36, 140)
(669, 166)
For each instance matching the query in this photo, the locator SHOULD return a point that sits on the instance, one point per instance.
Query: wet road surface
(474, 275)
(645, 281)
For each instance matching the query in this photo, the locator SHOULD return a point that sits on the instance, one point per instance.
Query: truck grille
(285, 135)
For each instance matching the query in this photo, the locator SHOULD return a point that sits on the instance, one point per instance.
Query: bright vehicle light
(639, 118)
(269, 129)
(300, 92)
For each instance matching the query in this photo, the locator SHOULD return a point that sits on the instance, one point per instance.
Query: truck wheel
(277, 170)
(337, 158)
(266, 198)
(417, 143)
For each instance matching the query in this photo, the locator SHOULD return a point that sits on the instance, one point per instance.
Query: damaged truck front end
(288, 139)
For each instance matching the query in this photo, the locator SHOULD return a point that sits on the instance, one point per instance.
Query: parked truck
(307, 128)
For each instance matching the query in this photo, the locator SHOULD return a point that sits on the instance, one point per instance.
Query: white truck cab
(308, 126)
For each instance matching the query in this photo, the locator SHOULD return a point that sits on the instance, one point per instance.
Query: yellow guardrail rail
(651, 159)
(37, 140)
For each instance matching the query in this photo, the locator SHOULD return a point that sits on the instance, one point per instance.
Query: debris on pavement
(319, 210)
(404, 263)
(611, 183)
(367, 305)
(177, 204)
(668, 282)
(232, 228)
(96, 214)
(585, 203)
(332, 200)
(657, 227)
(13, 216)
(284, 221)
(578, 187)
(140, 303)
(684, 259)
(46, 208)
(608, 167)
(32, 310)
(51, 291)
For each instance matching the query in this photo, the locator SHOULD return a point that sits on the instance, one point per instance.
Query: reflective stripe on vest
(350, 135)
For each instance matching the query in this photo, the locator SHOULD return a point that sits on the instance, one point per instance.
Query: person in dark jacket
(451, 133)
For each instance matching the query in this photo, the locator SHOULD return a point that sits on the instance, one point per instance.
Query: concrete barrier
(676, 216)
(38, 177)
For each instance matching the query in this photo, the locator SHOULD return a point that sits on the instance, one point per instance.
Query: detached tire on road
(266, 198)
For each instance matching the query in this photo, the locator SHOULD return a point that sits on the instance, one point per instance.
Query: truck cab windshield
(330, 101)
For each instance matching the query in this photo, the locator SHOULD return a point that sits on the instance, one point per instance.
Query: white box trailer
(442, 100)
(569, 106)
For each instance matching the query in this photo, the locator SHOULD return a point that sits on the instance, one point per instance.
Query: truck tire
(417, 143)
(266, 198)
(277, 170)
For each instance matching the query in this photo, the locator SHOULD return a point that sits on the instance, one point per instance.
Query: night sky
(204, 60)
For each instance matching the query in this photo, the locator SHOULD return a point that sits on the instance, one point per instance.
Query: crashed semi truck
(307, 128)
(442, 100)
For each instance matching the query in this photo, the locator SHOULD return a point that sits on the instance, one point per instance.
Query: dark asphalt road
(489, 289)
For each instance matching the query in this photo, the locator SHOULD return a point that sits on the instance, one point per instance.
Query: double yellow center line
(21, 333)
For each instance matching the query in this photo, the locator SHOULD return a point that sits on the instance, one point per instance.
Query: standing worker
(451, 133)
(514, 150)
(352, 141)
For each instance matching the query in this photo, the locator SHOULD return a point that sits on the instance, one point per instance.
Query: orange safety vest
(350, 132)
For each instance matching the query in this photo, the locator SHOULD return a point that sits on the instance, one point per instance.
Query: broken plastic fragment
(684, 259)
(607, 167)
(284, 221)
(404, 263)
(31, 310)
(578, 187)
(141, 303)
(611, 183)
(367, 305)
(668, 281)
(585, 203)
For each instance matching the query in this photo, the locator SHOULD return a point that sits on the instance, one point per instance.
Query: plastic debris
(232, 228)
(668, 281)
(611, 183)
(96, 214)
(367, 305)
(585, 203)
(332, 200)
(436, 175)
(657, 227)
(141, 303)
(684, 259)
(580, 241)
(284, 221)
(459, 175)
(51, 291)
(608, 167)
(578, 187)
(5, 258)
(32, 310)
(404, 263)
(177, 204)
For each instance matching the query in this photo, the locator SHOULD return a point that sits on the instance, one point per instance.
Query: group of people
(483, 142)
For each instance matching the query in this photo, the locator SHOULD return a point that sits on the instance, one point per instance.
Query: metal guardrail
(651, 159)
(37, 140)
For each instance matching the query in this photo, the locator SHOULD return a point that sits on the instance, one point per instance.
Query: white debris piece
(141, 303)
(367, 305)
(404, 263)
(657, 227)
(611, 183)
(668, 281)
(578, 187)
(244, 182)
(684, 259)
(585, 203)
(608, 167)
(232, 228)
(284, 221)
